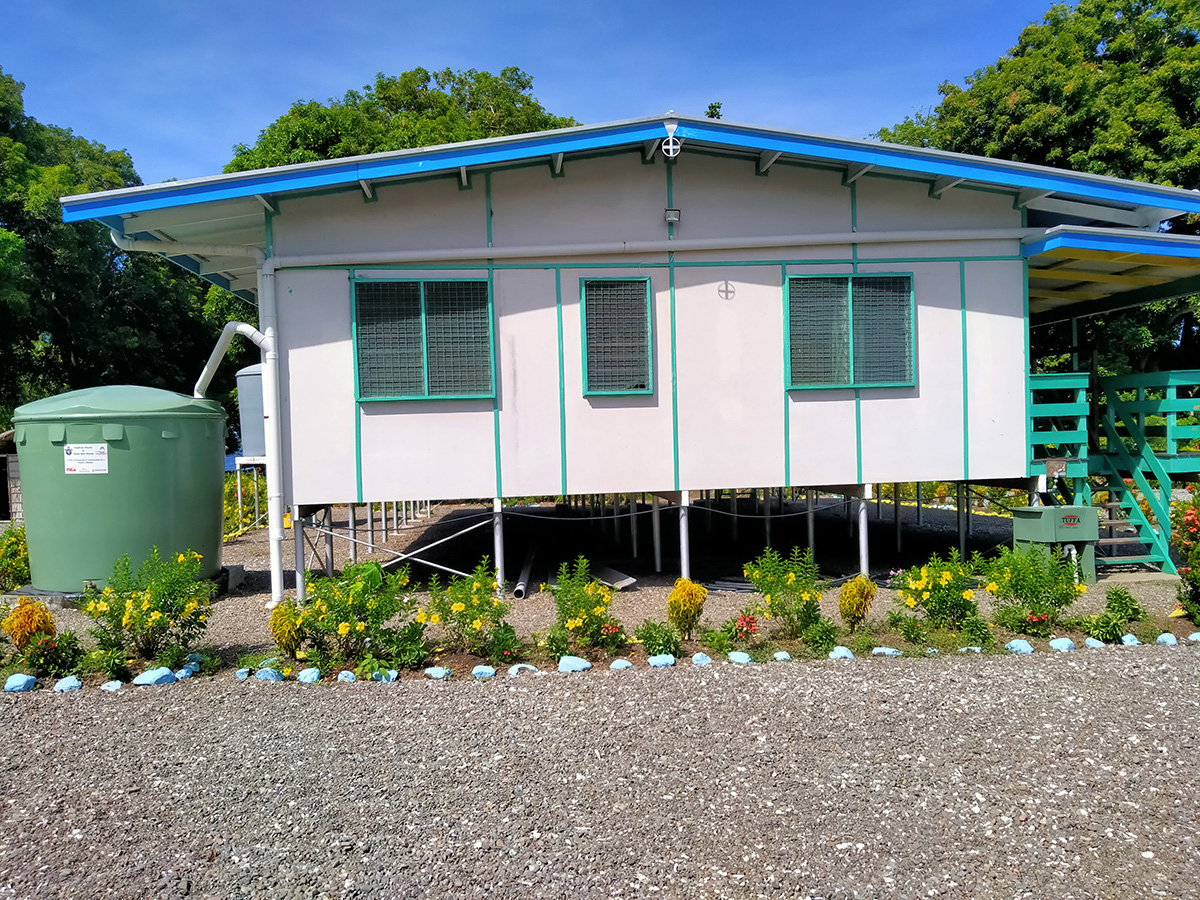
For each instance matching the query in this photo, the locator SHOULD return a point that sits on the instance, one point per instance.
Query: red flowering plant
(1185, 538)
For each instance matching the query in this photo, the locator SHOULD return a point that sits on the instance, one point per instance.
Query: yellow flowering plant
(347, 617)
(236, 525)
(14, 558)
(163, 607)
(1033, 588)
(685, 605)
(942, 590)
(469, 609)
(854, 600)
(581, 605)
(26, 622)
(789, 588)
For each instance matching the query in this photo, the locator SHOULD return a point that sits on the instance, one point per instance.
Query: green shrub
(942, 590)
(658, 638)
(347, 616)
(469, 608)
(14, 558)
(1119, 602)
(742, 628)
(821, 636)
(790, 589)
(976, 630)
(505, 648)
(716, 639)
(164, 605)
(558, 642)
(1034, 589)
(110, 663)
(1187, 594)
(172, 656)
(405, 646)
(862, 643)
(54, 656)
(685, 605)
(1107, 626)
(581, 609)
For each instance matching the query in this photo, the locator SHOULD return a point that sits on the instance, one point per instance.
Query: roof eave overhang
(855, 155)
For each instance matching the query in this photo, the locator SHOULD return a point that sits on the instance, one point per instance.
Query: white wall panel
(729, 353)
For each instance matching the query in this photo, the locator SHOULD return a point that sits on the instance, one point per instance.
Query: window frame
(421, 282)
(852, 383)
(640, 392)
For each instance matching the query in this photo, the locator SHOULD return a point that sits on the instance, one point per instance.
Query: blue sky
(178, 84)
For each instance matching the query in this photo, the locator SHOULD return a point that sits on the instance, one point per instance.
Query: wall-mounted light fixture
(671, 216)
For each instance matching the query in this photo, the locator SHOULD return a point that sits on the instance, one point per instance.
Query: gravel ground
(1069, 776)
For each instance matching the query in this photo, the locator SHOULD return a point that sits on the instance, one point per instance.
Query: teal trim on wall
(495, 383)
(674, 380)
(962, 288)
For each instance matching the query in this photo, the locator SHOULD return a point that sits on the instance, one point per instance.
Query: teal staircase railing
(1148, 434)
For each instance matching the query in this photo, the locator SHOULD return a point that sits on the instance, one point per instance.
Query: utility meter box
(1072, 529)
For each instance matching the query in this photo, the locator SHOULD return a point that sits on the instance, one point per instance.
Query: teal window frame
(852, 383)
(649, 389)
(425, 395)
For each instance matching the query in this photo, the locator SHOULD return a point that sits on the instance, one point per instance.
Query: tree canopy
(1110, 87)
(414, 109)
(75, 311)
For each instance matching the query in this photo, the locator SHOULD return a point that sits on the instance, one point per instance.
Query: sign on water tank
(85, 459)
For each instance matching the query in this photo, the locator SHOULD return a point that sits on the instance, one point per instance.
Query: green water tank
(118, 470)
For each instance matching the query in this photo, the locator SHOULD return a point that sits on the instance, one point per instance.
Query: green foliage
(685, 605)
(742, 628)
(405, 646)
(164, 605)
(1101, 86)
(658, 638)
(1188, 594)
(821, 636)
(941, 590)
(558, 642)
(469, 608)
(414, 109)
(790, 588)
(238, 524)
(505, 647)
(718, 640)
(343, 619)
(854, 600)
(976, 630)
(1106, 626)
(27, 621)
(14, 558)
(1033, 589)
(368, 667)
(862, 643)
(911, 627)
(172, 656)
(1119, 602)
(54, 656)
(110, 663)
(713, 111)
(581, 609)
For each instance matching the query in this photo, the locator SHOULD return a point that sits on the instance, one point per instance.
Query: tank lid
(255, 369)
(116, 401)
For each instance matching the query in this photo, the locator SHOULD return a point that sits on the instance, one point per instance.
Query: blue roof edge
(493, 151)
(1152, 243)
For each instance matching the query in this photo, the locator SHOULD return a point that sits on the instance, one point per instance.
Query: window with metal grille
(419, 339)
(616, 336)
(850, 331)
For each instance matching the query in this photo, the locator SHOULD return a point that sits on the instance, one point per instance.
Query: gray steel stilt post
(864, 562)
(353, 521)
(298, 535)
(734, 516)
(767, 515)
(685, 552)
(962, 524)
(811, 510)
(896, 510)
(238, 477)
(633, 519)
(395, 517)
(967, 490)
(879, 501)
(329, 542)
(919, 499)
(617, 518)
(498, 540)
(656, 528)
(370, 527)
(383, 522)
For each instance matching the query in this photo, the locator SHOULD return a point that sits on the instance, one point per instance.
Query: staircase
(1148, 434)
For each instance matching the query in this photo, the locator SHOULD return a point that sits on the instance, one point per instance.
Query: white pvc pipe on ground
(864, 562)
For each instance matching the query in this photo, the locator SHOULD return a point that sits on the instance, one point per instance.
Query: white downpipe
(214, 359)
(620, 248)
(266, 339)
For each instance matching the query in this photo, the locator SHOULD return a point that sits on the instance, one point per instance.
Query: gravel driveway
(1065, 776)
